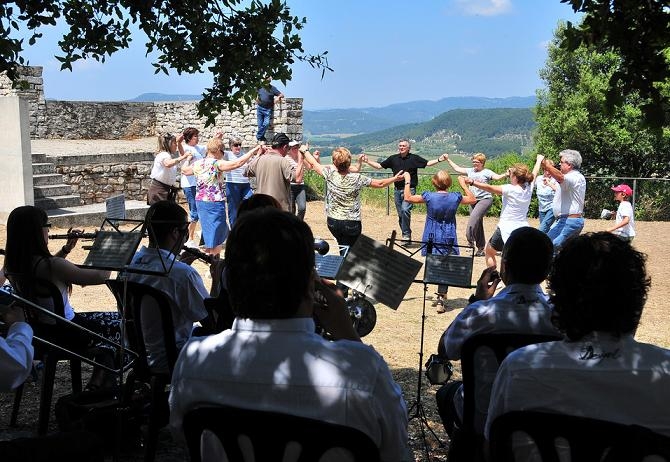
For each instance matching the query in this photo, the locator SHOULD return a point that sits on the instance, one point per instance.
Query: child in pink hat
(624, 226)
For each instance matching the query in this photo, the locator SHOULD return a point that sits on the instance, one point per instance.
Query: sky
(382, 52)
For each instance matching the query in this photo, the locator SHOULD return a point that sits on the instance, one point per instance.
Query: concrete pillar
(15, 156)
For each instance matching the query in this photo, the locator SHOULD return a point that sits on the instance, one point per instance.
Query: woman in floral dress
(210, 195)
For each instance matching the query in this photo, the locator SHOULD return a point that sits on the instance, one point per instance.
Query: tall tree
(238, 41)
(572, 112)
(639, 32)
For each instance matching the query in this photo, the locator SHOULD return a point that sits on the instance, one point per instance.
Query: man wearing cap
(568, 203)
(274, 171)
(625, 218)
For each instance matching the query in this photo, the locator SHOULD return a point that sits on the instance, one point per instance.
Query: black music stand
(443, 268)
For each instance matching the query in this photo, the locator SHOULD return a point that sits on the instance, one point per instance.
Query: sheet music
(116, 207)
(378, 272)
(451, 270)
(113, 250)
(327, 266)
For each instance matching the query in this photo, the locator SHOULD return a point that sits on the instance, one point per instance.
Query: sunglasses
(237, 145)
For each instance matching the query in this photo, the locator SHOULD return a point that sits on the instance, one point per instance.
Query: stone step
(57, 190)
(92, 215)
(47, 179)
(48, 203)
(39, 158)
(41, 168)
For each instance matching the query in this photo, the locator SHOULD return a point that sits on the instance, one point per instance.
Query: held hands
(407, 177)
(462, 181)
(487, 284)
(399, 176)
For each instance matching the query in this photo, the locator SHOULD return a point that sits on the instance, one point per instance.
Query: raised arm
(226, 165)
(499, 176)
(172, 161)
(359, 164)
(468, 197)
(538, 164)
(457, 169)
(492, 188)
(553, 172)
(316, 166)
(441, 157)
(371, 163)
(409, 197)
(387, 181)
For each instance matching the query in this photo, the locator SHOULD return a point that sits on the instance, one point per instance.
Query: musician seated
(168, 230)
(272, 359)
(29, 261)
(600, 370)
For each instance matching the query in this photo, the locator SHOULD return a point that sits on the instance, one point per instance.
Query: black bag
(100, 412)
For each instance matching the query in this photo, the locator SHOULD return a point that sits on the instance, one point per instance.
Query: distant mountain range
(366, 120)
(493, 131)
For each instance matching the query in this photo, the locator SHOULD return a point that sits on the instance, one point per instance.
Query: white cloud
(484, 7)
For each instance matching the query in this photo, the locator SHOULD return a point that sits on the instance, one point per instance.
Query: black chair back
(142, 304)
(552, 437)
(269, 433)
(476, 383)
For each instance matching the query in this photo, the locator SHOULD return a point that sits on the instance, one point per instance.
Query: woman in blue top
(440, 227)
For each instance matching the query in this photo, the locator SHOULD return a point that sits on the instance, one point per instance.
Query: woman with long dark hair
(28, 262)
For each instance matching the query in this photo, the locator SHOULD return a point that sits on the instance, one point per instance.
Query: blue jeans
(299, 200)
(189, 193)
(263, 116)
(236, 193)
(404, 210)
(546, 220)
(564, 228)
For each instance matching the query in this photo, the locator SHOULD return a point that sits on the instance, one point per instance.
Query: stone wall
(96, 178)
(52, 119)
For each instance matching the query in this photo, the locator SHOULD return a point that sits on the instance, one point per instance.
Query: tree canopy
(239, 42)
(639, 32)
(572, 113)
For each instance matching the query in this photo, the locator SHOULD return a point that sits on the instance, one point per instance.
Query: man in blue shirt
(264, 105)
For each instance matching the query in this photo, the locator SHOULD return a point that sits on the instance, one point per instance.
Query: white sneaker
(192, 244)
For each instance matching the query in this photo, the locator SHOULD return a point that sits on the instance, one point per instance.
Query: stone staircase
(48, 187)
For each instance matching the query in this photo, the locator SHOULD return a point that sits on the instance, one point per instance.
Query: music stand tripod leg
(417, 410)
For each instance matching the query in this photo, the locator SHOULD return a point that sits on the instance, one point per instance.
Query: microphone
(321, 246)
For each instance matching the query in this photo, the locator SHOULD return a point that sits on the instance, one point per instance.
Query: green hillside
(492, 131)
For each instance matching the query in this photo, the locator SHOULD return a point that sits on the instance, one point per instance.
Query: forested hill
(493, 131)
(366, 120)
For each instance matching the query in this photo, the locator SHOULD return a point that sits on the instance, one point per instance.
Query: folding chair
(142, 304)
(267, 435)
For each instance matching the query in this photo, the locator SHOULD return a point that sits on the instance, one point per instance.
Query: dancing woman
(164, 170)
(343, 194)
(440, 228)
(474, 232)
(211, 192)
(516, 198)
